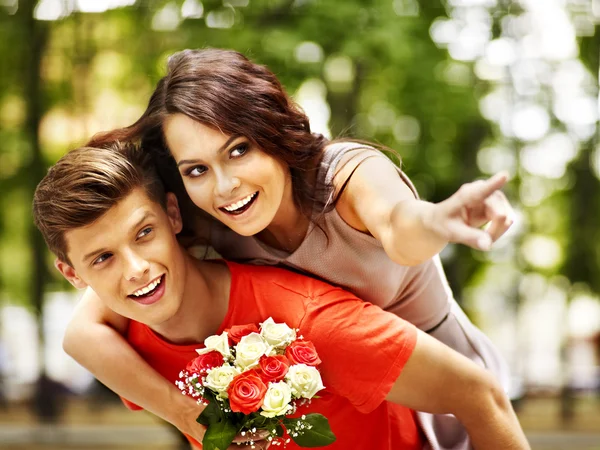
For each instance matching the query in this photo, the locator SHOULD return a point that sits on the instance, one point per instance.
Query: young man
(104, 213)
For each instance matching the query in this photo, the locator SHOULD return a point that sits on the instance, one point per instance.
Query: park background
(460, 89)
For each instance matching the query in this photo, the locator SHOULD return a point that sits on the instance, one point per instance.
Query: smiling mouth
(240, 207)
(147, 291)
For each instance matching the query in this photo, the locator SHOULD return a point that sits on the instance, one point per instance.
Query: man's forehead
(116, 224)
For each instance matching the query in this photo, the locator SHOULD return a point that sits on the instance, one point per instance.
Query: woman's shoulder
(344, 146)
(341, 153)
(340, 157)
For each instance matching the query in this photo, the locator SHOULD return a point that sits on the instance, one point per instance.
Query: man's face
(131, 258)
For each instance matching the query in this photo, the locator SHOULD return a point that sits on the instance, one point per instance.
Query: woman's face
(227, 176)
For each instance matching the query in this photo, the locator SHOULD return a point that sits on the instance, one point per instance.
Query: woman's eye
(239, 150)
(145, 232)
(100, 259)
(195, 171)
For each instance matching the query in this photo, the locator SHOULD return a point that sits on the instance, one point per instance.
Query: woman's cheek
(200, 195)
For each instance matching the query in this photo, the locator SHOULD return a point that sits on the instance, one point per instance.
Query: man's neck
(204, 305)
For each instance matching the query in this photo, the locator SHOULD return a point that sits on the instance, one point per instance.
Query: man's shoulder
(280, 278)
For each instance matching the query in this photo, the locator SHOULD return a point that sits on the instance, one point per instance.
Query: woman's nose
(227, 184)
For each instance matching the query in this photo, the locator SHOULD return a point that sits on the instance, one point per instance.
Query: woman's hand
(460, 218)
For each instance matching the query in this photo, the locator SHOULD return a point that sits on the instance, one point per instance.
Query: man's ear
(69, 273)
(174, 213)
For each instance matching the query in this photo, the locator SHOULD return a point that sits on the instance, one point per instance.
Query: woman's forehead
(184, 134)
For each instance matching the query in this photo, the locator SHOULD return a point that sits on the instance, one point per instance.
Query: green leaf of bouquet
(237, 418)
(318, 435)
(211, 414)
(257, 420)
(248, 420)
(219, 435)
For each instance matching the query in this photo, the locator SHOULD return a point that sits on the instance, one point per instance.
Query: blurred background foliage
(459, 88)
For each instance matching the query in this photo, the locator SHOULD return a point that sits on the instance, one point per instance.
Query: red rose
(273, 368)
(237, 332)
(203, 363)
(302, 352)
(246, 392)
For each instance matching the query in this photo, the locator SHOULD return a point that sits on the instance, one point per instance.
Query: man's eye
(145, 232)
(195, 171)
(238, 151)
(100, 259)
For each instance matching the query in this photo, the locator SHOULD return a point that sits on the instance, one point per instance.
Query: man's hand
(240, 442)
(260, 445)
(460, 218)
(258, 438)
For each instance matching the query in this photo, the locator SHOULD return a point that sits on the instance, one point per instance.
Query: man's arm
(438, 380)
(94, 338)
(389, 359)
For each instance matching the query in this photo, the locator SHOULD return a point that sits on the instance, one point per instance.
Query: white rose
(219, 378)
(277, 334)
(249, 350)
(277, 400)
(304, 380)
(216, 342)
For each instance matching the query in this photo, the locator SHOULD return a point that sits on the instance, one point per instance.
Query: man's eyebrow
(145, 216)
(93, 253)
(223, 147)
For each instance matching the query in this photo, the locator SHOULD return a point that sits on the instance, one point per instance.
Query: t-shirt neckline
(233, 271)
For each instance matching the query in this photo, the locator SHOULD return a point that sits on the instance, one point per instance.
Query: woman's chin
(246, 230)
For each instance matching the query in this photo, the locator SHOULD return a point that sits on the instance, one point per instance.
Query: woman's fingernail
(484, 242)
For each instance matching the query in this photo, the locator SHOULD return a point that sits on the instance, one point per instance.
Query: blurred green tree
(73, 72)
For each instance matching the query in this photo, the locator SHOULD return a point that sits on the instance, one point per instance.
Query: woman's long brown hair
(224, 90)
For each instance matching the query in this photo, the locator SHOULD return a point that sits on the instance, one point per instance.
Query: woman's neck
(287, 236)
(288, 228)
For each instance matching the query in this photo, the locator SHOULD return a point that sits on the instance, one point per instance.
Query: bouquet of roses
(251, 379)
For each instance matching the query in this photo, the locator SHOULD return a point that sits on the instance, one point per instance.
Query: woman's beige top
(343, 256)
(346, 257)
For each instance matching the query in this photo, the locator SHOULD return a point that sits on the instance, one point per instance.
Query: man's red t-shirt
(363, 350)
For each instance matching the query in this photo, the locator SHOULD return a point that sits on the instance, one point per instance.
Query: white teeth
(238, 205)
(148, 288)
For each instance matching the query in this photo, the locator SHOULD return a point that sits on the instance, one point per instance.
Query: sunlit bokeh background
(460, 88)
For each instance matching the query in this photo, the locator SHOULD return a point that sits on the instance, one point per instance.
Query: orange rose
(302, 352)
(273, 368)
(237, 332)
(205, 362)
(246, 392)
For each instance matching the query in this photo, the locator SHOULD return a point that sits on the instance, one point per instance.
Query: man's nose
(135, 266)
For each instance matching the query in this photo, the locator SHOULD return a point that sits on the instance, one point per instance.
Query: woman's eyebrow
(223, 147)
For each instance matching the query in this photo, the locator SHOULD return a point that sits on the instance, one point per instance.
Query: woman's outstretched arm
(376, 200)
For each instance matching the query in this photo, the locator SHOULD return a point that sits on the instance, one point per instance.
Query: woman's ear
(173, 212)
(69, 273)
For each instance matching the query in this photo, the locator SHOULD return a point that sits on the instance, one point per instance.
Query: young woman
(338, 210)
